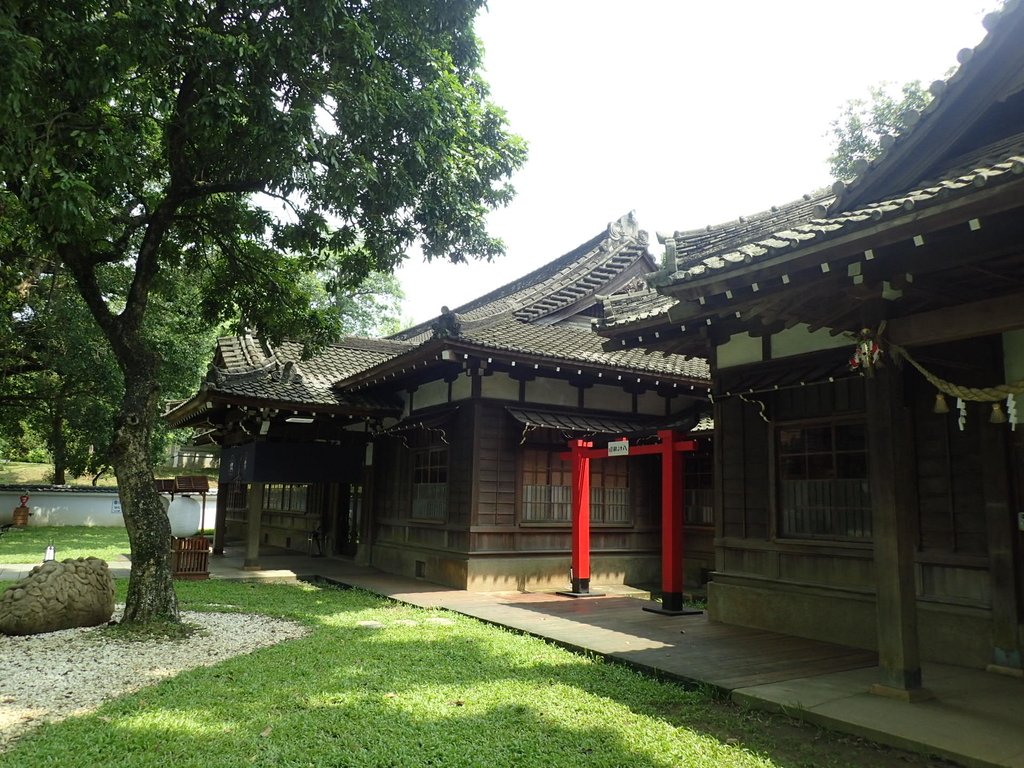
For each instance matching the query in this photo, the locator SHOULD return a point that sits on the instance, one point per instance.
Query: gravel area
(48, 677)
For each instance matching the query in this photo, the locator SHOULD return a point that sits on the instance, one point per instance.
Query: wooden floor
(688, 648)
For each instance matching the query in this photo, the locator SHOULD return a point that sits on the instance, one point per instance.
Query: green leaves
(141, 141)
(856, 134)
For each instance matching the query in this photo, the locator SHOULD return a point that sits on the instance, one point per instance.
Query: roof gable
(564, 287)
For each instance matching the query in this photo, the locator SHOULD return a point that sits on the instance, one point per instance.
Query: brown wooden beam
(979, 318)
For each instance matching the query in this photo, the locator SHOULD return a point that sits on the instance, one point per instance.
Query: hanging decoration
(760, 406)
(994, 395)
(997, 416)
(867, 353)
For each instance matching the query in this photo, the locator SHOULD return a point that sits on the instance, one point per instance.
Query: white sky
(688, 112)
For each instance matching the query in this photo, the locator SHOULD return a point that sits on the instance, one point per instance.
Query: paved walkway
(975, 718)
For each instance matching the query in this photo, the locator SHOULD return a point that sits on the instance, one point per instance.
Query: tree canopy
(140, 142)
(856, 135)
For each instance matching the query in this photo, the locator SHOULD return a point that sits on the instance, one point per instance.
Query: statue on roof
(447, 325)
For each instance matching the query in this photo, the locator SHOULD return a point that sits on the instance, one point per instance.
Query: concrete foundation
(948, 633)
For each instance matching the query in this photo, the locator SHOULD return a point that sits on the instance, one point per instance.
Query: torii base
(580, 588)
(672, 605)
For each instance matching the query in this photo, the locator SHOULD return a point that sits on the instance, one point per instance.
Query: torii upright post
(579, 455)
(673, 487)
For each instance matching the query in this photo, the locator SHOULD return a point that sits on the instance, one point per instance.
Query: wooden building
(436, 453)
(867, 347)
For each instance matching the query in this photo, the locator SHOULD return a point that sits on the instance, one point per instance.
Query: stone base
(909, 695)
(999, 669)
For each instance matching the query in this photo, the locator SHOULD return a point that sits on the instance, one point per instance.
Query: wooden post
(580, 517)
(220, 518)
(254, 511)
(365, 522)
(893, 505)
(1002, 532)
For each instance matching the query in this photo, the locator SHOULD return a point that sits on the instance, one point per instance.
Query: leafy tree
(59, 384)
(142, 134)
(856, 135)
(371, 308)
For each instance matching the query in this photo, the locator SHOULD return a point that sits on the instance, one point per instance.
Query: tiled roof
(578, 345)
(281, 375)
(690, 246)
(508, 320)
(997, 164)
(575, 421)
(636, 306)
(578, 274)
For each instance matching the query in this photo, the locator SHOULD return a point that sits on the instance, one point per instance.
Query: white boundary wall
(62, 506)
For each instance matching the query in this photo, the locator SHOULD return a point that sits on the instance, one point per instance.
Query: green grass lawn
(27, 473)
(414, 693)
(27, 545)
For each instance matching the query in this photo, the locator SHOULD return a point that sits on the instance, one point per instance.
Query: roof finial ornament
(670, 258)
(447, 325)
(625, 227)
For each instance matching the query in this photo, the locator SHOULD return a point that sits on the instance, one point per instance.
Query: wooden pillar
(1001, 524)
(580, 517)
(254, 511)
(220, 518)
(672, 494)
(364, 548)
(893, 511)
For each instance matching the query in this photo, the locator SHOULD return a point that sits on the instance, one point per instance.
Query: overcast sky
(688, 112)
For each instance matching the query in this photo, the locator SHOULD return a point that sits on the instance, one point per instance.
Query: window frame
(562, 470)
(439, 488)
(866, 509)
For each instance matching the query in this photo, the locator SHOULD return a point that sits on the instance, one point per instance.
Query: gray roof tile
(576, 345)
(581, 272)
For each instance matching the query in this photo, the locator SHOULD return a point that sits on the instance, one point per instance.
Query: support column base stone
(908, 695)
(999, 669)
(659, 609)
(251, 565)
(580, 594)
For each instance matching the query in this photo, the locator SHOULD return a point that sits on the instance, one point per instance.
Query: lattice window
(430, 484)
(284, 497)
(699, 493)
(609, 492)
(547, 489)
(823, 481)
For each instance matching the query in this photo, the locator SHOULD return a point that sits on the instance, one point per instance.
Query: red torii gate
(672, 450)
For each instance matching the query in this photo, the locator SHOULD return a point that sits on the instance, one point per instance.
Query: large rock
(74, 593)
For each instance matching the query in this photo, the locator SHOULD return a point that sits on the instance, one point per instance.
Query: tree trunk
(151, 594)
(58, 446)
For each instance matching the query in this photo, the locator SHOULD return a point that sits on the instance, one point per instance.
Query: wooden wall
(966, 489)
(484, 501)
